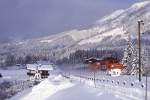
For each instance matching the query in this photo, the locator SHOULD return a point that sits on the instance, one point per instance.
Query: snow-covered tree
(130, 59)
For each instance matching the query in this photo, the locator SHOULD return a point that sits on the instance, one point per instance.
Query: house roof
(116, 66)
(91, 60)
(43, 62)
(110, 58)
(39, 67)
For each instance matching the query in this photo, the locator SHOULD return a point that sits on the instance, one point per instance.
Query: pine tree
(130, 58)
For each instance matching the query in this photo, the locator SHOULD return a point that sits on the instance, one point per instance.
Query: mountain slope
(109, 31)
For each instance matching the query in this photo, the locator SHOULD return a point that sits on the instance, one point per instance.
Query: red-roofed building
(110, 64)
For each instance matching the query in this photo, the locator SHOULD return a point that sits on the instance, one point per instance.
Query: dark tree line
(12, 60)
(77, 57)
(80, 55)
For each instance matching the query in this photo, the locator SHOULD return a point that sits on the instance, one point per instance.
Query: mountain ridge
(110, 31)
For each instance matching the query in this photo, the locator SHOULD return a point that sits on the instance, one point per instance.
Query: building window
(114, 72)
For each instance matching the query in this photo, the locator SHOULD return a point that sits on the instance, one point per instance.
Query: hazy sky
(36, 18)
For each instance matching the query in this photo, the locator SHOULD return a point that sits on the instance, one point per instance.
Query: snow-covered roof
(39, 67)
(43, 62)
(46, 67)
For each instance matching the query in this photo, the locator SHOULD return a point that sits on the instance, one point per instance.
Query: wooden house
(108, 64)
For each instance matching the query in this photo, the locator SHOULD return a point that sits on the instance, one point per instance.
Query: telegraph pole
(146, 97)
(139, 48)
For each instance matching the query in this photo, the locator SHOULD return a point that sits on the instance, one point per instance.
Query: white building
(115, 70)
(39, 70)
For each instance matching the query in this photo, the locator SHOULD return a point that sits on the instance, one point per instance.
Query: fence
(124, 85)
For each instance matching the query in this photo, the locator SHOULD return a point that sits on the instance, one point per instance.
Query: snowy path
(81, 92)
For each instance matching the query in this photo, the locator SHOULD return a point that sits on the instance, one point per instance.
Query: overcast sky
(36, 18)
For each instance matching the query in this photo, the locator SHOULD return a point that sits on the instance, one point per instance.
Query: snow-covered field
(14, 74)
(13, 81)
(80, 85)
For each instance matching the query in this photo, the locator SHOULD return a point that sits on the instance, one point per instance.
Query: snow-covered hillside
(108, 31)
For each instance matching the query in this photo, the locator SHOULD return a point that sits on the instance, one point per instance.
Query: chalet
(108, 64)
(39, 70)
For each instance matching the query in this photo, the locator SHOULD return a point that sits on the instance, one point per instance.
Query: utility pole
(146, 97)
(139, 47)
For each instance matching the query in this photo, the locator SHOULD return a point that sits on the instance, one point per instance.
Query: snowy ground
(60, 87)
(14, 74)
(78, 84)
